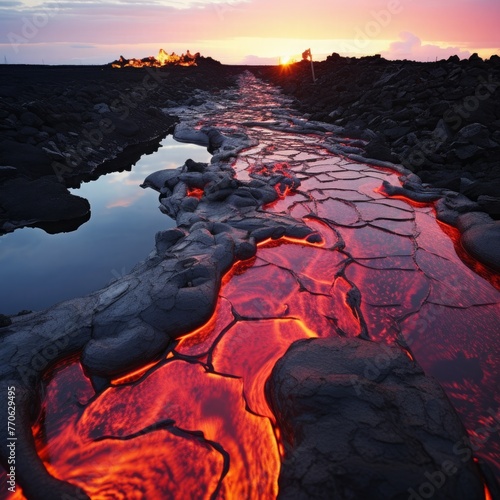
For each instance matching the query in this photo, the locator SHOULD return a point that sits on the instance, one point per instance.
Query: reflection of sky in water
(38, 269)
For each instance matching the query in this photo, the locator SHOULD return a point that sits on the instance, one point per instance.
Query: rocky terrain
(344, 429)
(61, 125)
(440, 120)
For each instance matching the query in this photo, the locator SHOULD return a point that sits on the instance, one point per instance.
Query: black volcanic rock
(23, 205)
(30, 119)
(360, 419)
(28, 159)
(4, 320)
(483, 243)
(126, 128)
(379, 150)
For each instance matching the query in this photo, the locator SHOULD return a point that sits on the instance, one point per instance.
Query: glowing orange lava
(476, 266)
(195, 193)
(487, 494)
(170, 436)
(135, 375)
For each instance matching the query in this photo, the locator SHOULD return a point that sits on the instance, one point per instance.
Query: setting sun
(286, 60)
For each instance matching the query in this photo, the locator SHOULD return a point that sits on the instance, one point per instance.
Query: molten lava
(195, 193)
(196, 413)
(158, 439)
(163, 59)
(283, 188)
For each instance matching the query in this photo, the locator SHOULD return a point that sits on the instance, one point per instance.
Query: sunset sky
(245, 31)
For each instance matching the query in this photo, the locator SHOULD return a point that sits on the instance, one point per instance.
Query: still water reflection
(38, 269)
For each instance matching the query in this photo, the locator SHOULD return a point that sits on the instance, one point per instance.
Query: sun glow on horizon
(287, 60)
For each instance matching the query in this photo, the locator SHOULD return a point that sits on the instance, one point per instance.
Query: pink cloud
(411, 47)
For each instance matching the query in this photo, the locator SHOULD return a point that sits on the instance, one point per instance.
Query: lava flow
(170, 435)
(187, 426)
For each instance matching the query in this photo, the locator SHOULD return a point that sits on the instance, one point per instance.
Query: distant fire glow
(163, 59)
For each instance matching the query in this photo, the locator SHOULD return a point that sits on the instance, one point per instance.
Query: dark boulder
(476, 134)
(28, 201)
(125, 127)
(490, 205)
(31, 119)
(483, 243)
(478, 188)
(28, 159)
(378, 149)
(360, 419)
(4, 320)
